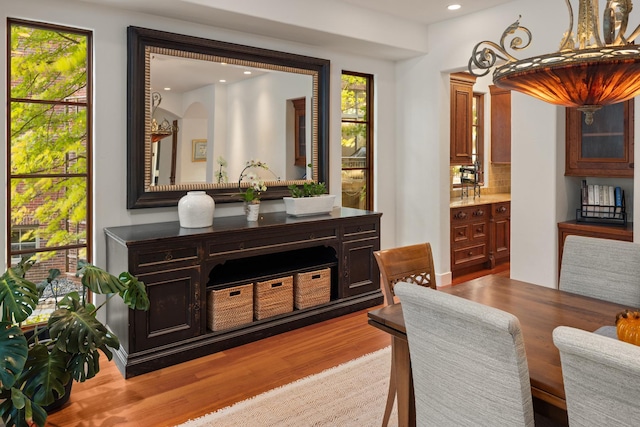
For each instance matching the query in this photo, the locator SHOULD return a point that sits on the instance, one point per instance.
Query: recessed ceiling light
(454, 7)
(247, 72)
(222, 81)
(167, 88)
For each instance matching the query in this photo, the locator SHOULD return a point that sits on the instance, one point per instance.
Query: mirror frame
(139, 41)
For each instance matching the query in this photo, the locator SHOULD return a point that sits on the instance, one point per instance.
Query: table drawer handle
(502, 209)
(460, 215)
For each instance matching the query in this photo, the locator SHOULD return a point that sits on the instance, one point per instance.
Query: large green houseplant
(35, 370)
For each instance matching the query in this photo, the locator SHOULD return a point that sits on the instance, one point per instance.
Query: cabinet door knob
(470, 253)
(460, 233)
(168, 256)
(241, 245)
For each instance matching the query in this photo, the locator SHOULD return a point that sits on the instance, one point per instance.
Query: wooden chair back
(412, 264)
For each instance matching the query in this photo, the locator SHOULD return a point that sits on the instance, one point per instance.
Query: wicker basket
(230, 307)
(312, 288)
(273, 297)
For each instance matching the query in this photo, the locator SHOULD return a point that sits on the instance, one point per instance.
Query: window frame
(87, 243)
(368, 121)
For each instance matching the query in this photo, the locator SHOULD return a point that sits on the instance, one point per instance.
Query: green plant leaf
(84, 366)
(98, 280)
(18, 296)
(75, 329)
(17, 410)
(44, 373)
(135, 295)
(13, 349)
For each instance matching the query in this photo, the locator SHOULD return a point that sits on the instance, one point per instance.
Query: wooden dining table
(539, 309)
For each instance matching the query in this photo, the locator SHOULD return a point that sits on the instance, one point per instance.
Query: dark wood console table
(178, 266)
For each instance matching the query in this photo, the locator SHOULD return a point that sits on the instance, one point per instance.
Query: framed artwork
(199, 150)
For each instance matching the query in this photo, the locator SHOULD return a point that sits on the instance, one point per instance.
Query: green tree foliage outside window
(49, 180)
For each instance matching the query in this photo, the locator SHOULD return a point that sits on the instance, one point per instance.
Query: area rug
(353, 394)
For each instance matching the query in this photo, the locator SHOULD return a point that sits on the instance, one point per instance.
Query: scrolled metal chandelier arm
(485, 58)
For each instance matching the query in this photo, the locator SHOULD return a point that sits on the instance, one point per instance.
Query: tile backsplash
(497, 181)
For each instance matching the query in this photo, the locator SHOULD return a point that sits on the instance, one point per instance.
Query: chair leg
(391, 397)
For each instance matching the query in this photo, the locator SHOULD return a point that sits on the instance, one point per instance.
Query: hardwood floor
(173, 395)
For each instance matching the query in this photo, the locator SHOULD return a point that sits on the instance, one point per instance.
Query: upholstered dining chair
(412, 263)
(468, 361)
(601, 378)
(601, 268)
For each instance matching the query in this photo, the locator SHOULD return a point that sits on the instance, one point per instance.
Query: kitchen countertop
(482, 200)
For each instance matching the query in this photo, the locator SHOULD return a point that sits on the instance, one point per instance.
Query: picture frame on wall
(199, 150)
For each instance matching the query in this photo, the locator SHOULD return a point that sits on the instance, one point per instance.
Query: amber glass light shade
(590, 77)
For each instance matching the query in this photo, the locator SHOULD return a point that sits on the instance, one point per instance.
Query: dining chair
(414, 264)
(601, 378)
(601, 268)
(468, 361)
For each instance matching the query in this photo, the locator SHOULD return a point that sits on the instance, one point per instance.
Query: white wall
(110, 106)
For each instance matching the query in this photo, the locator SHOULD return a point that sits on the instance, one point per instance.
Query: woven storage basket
(230, 307)
(312, 288)
(273, 297)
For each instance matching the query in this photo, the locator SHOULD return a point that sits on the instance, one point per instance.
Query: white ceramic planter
(305, 206)
(252, 210)
(195, 210)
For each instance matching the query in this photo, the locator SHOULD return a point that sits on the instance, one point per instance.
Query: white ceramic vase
(195, 210)
(252, 210)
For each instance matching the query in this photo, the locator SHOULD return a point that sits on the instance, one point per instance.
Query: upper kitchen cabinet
(461, 144)
(603, 148)
(500, 125)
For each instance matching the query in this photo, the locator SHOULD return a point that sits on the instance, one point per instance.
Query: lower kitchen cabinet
(480, 236)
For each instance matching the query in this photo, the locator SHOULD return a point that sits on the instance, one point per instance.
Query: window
(49, 156)
(357, 140)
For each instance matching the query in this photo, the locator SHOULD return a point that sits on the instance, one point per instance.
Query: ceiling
(331, 24)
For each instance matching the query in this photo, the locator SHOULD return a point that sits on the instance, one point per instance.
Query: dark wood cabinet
(469, 236)
(480, 236)
(180, 265)
(500, 125)
(461, 116)
(500, 228)
(300, 114)
(603, 148)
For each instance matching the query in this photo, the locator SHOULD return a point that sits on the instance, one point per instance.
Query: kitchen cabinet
(480, 236)
(500, 125)
(469, 236)
(179, 266)
(461, 117)
(603, 148)
(500, 233)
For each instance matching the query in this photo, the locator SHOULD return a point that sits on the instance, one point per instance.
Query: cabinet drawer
(501, 210)
(470, 254)
(248, 241)
(360, 231)
(460, 233)
(161, 258)
(471, 213)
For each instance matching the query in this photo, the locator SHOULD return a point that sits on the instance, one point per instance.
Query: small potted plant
(38, 368)
(309, 199)
(251, 196)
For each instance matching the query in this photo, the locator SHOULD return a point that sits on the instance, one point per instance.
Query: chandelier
(588, 72)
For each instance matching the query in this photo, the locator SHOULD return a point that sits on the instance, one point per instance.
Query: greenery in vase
(256, 184)
(34, 371)
(308, 189)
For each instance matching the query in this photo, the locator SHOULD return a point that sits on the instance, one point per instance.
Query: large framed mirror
(199, 110)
